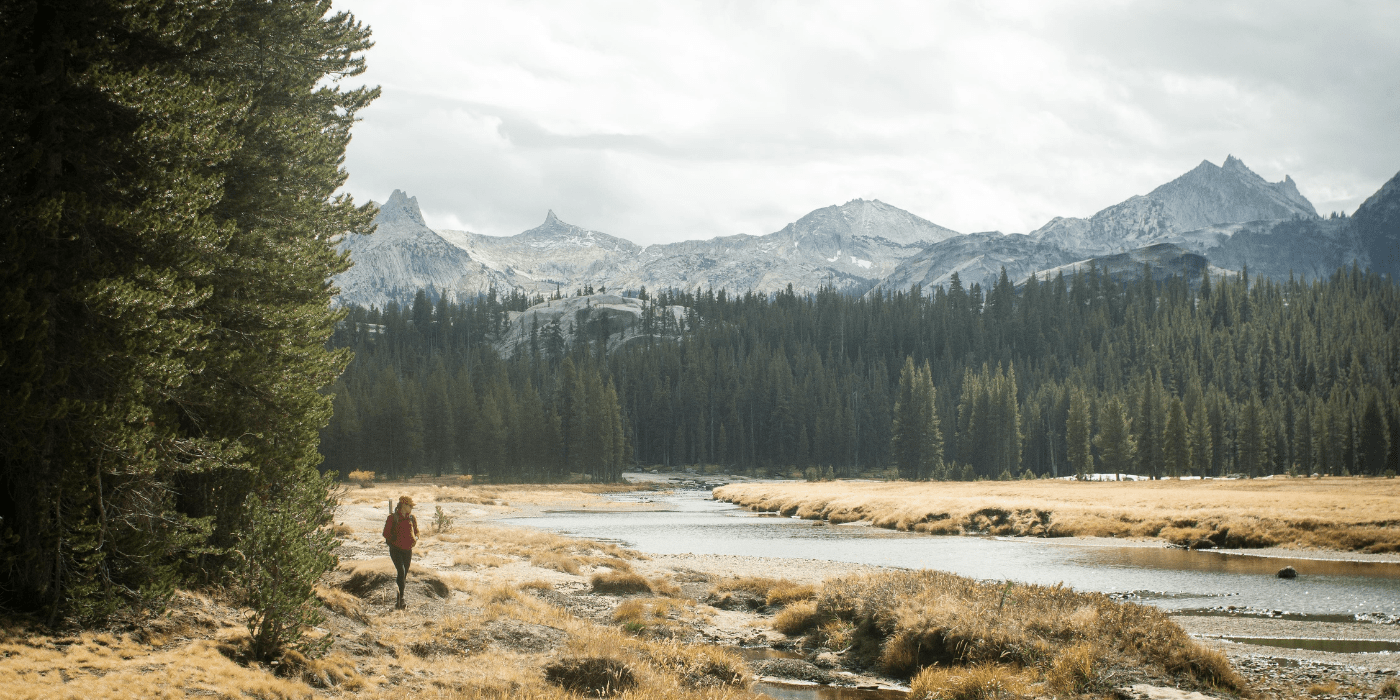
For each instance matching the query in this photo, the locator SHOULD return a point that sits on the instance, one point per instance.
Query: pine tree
(1077, 434)
(1176, 449)
(1117, 447)
(166, 311)
(1373, 439)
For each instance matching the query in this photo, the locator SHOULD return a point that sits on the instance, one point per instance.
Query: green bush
(283, 551)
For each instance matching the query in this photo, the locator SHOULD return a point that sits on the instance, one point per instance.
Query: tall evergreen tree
(1117, 448)
(172, 167)
(1077, 434)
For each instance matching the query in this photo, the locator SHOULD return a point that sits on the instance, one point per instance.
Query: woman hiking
(400, 533)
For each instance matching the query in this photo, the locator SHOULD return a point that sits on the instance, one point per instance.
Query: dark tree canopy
(166, 184)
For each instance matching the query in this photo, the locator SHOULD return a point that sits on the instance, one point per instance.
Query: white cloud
(663, 121)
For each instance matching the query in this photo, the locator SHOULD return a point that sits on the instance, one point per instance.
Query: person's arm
(387, 524)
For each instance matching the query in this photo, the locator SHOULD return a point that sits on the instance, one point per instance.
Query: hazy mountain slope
(1204, 196)
(403, 255)
(977, 258)
(1162, 259)
(848, 247)
(553, 253)
(1228, 214)
(1376, 225)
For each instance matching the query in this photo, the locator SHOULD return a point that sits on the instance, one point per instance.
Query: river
(1182, 581)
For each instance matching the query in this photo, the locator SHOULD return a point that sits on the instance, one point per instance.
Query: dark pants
(402, 558)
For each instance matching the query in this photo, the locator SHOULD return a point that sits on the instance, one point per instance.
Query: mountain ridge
(865, 245)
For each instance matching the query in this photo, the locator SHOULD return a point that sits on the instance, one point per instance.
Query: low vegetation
(1348, 514)
(960, 638)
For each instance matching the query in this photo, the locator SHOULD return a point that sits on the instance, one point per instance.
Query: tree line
(166, 199)
(1080, 373)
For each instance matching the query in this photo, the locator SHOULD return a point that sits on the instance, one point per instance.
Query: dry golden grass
(478, 560)
(554, 560)
(338, 601)
(1329, 688)
(651, 615)
(1348, 514)
(980, 682)
(1074, 669)
(91, 666)
(620, 582)
(774, 591)
(452, 489)
(1390, 689)
(910, 620)
(797, 619)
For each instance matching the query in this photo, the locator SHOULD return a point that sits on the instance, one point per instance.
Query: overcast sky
(662, 121)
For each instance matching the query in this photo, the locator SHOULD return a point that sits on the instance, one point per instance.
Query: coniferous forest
(166, 197)
(1079, 374)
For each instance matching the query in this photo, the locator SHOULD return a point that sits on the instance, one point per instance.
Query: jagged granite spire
(401, 208)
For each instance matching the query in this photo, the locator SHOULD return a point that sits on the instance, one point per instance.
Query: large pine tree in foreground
(167, 228)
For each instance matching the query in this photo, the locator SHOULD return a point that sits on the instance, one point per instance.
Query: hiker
(400, 533)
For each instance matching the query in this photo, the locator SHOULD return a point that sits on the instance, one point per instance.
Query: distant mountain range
(1213, 217)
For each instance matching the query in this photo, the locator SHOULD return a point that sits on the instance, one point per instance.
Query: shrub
(361, 477)
(556, 561)
(1391, 689)
(442, 522)
(284, 550)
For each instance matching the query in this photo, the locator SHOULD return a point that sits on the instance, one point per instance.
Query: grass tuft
(562, 563)
(1074, 669)
(797, 619)
(596, 676)
(620, 582)
(981, 682)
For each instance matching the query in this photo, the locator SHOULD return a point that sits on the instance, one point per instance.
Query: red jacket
(404, 535)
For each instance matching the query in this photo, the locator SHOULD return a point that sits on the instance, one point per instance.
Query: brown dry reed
(774, 591)
(980, 682)
(620, 582)
(1332, 513)
(906, 621)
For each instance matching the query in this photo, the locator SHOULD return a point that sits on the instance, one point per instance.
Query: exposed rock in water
(1288, 572)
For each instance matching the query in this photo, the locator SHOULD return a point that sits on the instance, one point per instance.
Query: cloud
(688, 119)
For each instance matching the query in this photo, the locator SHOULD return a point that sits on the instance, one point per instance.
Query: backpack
(394, 527)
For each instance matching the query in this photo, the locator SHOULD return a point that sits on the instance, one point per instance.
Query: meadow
(1333, 513)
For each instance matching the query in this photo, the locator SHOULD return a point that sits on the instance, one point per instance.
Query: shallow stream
(1175, 579)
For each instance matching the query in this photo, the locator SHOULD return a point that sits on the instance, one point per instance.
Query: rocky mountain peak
(400, 208)
(550, 218)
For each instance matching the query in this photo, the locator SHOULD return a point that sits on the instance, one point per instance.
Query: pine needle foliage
(169, 227)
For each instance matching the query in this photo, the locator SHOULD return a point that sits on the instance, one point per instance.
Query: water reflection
(1220, 562)
(1170, 578)
(787, 691)
(1340, 646)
